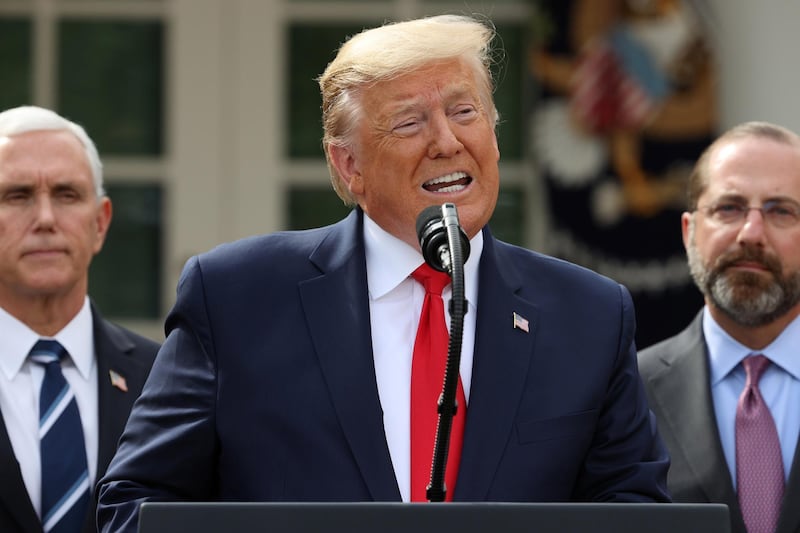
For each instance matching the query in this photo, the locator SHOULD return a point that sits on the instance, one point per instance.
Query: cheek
(484, 149)
(789, 252)
(85, 236)
(711, 242)
(706, 247)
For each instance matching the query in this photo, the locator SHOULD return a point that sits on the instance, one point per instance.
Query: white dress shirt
(395, 304)
(779, 385)
(21, 380)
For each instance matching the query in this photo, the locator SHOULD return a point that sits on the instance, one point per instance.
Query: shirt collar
(18, 339)
(725, 352)
(390, 261)
(783, 350)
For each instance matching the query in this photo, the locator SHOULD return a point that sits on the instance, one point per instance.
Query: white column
(197, 131)
(757, 48)
(255, 69)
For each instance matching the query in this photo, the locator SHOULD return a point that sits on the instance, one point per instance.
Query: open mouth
(455, 182)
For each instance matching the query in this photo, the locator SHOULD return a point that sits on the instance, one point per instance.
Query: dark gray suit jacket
(677, 378)
(118, 349)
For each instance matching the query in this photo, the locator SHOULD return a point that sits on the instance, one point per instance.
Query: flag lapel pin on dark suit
(521, 322)
(118, 381)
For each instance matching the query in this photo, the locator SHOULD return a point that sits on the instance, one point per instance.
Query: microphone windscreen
(428, 215)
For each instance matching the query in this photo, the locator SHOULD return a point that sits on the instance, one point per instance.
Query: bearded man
(726, 389)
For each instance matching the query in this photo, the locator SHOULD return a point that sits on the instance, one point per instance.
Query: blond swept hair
(385, 52)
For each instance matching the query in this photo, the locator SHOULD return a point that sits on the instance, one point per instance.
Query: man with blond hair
(294, 370)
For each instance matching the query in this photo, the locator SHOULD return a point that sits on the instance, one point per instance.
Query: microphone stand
(447, 405)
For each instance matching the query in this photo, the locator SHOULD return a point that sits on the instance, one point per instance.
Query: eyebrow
(61, 185)
(743, 199)
(16, 187)
(413, 102)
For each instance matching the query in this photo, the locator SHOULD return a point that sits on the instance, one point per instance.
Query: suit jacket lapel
(500, 365)
(112, 349)
(789, 521)
(684, 397)
(337, 309)
(13, 494)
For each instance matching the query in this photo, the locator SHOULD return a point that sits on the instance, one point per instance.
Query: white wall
(758, 47)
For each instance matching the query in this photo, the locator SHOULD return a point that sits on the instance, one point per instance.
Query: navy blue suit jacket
(265, 388)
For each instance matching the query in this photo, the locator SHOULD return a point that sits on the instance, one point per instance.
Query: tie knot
(754, 367)
(47, 351)
(433, 280)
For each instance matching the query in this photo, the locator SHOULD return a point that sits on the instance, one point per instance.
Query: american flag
(614, 86)
(118, 381)
(520, 323)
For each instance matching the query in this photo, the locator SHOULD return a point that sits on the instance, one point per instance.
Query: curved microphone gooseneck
(445, 247)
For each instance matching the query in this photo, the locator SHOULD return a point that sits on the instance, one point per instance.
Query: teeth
(452, 188)
(455, 176)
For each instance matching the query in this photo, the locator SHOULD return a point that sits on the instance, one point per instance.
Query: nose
(753, 229)
(443, 139)
(44, 213)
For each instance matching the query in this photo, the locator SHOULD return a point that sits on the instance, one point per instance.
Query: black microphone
(445, 247)
(433, 225)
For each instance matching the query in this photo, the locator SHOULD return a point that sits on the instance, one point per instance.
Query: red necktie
(427, 377)
(759, 465)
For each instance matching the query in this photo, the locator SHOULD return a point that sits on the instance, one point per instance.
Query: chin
(49, 285)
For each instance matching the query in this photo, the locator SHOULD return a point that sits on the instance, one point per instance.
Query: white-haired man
(68, 378)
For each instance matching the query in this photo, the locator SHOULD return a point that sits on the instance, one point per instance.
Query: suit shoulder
(657, 348)
(551, 270)
(662, 355)
(279, 253)
(688, 339)
(128, 340)
(278, 243)
(651, 359)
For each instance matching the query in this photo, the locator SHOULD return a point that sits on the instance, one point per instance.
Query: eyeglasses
(777, 213)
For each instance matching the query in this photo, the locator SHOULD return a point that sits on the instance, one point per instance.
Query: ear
(686, 219)
(344, 161)
(102, 222)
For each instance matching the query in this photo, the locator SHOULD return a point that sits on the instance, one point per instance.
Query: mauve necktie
(65, 474)
(427, 377)
(759, 466)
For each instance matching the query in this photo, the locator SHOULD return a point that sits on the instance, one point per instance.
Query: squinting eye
(67, 195)
(728, 209)
(406, 127)
(16, 197)
(465, 111)
(781, 210)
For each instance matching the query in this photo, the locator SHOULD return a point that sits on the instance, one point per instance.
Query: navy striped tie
(65, 474)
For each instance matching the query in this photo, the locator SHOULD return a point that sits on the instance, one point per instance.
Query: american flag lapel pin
(521, 322)
(118, 381)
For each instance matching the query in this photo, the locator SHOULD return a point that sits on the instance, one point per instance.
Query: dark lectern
(482, 517)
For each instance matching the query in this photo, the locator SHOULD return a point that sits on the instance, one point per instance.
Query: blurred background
(206, 115)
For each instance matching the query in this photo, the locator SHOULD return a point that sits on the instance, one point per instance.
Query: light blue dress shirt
(780, 386)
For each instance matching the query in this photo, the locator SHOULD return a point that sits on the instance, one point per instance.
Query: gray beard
(745, 297)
